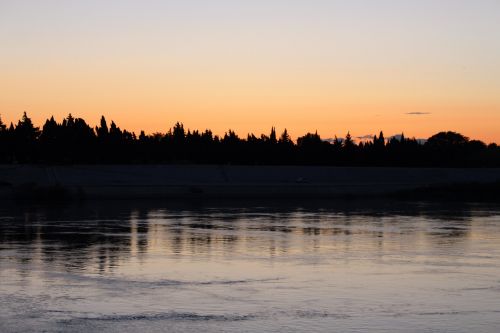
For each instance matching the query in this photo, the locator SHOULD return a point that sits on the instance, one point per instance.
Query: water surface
(250, 267)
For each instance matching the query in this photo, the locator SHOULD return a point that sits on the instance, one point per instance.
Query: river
(348, 266)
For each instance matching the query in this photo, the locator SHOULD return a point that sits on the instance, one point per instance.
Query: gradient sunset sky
(417, 66)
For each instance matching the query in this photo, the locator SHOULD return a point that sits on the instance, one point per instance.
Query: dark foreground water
(250, 267)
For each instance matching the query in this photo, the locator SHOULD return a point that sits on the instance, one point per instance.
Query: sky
(417, 67)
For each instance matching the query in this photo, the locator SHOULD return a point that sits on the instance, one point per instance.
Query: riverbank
(213, 182)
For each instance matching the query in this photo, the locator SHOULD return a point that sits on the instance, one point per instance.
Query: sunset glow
(332, 66)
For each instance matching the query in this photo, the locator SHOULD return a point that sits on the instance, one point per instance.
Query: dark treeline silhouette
(73, 141)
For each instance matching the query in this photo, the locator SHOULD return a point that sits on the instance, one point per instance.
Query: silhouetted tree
(25, 130)
(102, 131)
(272, 136)
(74, 141)
(285, 138)
(380, 142)
(3, 142)
(348, 142)
(445, 148)
(3, 127)
(179, 133)
(25, 136)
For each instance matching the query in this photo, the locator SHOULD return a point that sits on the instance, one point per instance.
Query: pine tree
(179, 133)
(348, 140)
(3, 127)
(285, 138)
(25, 130)
(337, 143)
(381, 139)
(272, 136)
(103, 130)
(49, 130)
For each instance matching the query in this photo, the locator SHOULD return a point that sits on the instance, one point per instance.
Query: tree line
(74, 141)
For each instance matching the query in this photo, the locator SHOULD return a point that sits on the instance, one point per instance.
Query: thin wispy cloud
(332, 140)
(365, 137)
(399, 136)
(417, 113)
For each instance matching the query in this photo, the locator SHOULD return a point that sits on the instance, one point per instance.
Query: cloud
(365, 137)
(398, 137)
(417, 113)
(332, 140)
(362, 138)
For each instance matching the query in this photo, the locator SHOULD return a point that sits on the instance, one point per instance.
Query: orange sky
(326, 66)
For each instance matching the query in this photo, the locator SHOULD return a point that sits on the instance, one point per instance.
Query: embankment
(210, 181)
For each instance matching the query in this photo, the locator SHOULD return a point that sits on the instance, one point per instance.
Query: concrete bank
(210, 181)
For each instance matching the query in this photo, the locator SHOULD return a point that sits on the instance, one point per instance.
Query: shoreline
(79, 182)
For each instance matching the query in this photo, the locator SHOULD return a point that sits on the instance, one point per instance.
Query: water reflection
(249, 266)
(100, 236)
